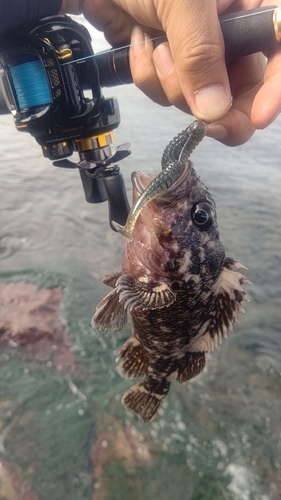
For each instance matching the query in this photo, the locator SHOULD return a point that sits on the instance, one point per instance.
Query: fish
(182, 292)
(173, 162)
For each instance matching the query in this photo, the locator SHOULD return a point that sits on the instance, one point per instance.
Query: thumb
(196, 48)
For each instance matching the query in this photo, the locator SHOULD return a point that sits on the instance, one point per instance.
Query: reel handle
(244, 33)
(118, 205)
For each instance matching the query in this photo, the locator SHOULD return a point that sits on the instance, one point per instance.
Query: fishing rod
(244, 33)
(52, 84)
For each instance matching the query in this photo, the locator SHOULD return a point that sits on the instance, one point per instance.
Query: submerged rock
(116, 444)
(12, 486)
(30, 321)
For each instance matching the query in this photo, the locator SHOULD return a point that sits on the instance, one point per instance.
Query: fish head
(176, 235)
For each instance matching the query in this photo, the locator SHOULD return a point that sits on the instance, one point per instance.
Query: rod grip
(248, 32)
(244, 33)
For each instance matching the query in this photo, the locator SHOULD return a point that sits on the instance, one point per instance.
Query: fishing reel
(52, 86)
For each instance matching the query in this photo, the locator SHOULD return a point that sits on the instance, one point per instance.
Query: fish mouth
(140, 181)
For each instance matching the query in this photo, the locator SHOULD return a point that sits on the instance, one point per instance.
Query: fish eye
(202, 215)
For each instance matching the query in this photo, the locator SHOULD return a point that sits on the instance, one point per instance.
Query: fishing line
(24, 76)
(31, 83)
(92, 56)
(30, 95)
(161, 37)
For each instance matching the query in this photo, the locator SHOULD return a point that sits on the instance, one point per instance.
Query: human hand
(189, 70)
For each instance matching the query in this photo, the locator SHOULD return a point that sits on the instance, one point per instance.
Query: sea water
(65, 432)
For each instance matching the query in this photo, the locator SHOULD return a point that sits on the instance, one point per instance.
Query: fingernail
(212, 102)
(137, 41)
(163, 59)
(217, 131)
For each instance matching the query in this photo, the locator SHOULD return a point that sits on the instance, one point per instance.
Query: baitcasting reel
(61, 105)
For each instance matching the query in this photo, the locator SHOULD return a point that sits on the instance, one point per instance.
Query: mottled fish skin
(182, 292)
(173, 163)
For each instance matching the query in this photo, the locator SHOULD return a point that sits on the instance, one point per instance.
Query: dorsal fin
(138, 294)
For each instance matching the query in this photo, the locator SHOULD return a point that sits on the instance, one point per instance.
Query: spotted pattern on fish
(173, 163)
(181, 291)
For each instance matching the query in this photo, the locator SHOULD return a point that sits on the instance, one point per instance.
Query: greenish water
(218, 437)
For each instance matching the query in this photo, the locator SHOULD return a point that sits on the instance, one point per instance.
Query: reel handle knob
(118, 204)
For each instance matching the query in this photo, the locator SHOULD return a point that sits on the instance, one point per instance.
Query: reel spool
(62, 106)
(27, 95)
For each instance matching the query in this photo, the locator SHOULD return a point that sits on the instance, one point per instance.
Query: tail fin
(143, 401)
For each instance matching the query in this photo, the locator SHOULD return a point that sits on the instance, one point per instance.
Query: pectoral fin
(111, 278)
(227, 295)
(111, 314)
(138, 294)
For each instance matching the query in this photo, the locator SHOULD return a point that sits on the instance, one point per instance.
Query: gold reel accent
(277, 23)
(94, 142)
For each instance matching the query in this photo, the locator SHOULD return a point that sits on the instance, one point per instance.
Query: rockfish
(182, 292)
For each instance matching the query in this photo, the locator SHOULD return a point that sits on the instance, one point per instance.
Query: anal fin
(133, 364)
